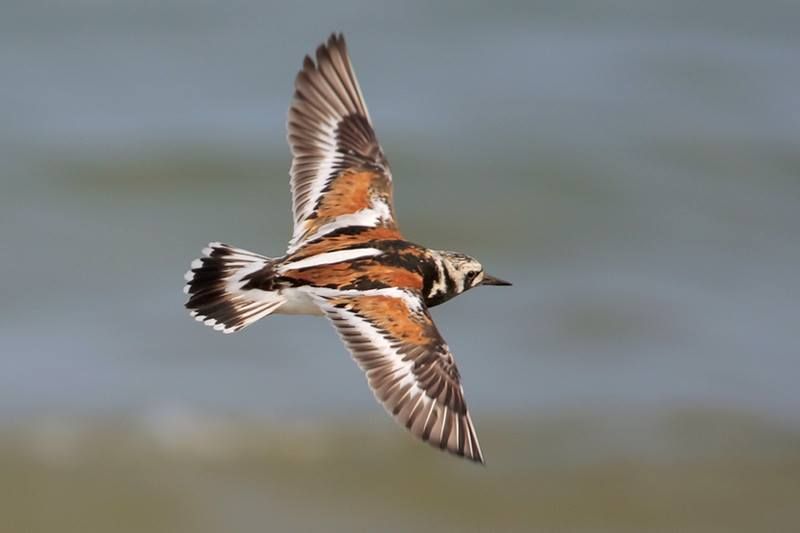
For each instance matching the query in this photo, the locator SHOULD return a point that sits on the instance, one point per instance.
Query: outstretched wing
(408, 364)
(339, 175)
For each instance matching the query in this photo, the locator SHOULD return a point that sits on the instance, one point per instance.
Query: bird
(347, 260)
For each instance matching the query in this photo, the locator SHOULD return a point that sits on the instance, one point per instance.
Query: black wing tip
(335, 42)
(463, 454)
(469, 449)
(476, 455)
(312, 64)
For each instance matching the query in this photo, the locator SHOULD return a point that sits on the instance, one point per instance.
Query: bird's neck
(440, 283)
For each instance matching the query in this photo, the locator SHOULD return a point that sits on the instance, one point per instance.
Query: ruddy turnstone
(347, 260)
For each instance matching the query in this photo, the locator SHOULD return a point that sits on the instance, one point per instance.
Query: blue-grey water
(632, 167)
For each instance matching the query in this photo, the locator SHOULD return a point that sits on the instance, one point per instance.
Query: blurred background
(633, 167)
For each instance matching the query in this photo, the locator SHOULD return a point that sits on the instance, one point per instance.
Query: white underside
(298, 302)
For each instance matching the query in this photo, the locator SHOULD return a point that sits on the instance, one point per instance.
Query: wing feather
(339, 175)
(407, 363)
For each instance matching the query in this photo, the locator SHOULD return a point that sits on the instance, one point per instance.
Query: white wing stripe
(329, 258)
(322, 176)
(444, 424)
(411, 301)
(371, 217)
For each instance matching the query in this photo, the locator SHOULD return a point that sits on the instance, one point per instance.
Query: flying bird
(348, 261)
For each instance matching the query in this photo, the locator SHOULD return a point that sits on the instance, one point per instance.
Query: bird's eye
(471, 276)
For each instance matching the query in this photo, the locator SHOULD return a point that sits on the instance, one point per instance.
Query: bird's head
(465, 272)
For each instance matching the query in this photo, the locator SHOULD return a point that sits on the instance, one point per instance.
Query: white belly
(298, 302)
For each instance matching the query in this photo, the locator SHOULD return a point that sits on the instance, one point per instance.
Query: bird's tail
(224, 291)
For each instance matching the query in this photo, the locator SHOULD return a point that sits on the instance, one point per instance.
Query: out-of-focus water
(633, 169)
(631, 166)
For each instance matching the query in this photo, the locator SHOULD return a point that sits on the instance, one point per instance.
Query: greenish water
(631, 166)
(682, 471)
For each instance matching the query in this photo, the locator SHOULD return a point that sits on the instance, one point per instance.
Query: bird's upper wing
(339, 175)
(409, 367)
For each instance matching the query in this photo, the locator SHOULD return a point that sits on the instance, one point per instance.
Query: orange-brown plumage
(348, 261)
(339, 241)
(393, 316)
(348, 192)
(345, 275)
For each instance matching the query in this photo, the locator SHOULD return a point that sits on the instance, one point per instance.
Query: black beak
(491, 280)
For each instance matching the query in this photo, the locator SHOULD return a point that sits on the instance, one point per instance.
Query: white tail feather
(226, 288)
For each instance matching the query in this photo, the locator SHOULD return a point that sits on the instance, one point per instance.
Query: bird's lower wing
(409, 367)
